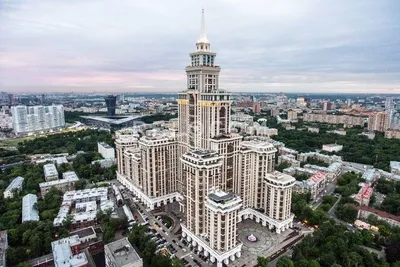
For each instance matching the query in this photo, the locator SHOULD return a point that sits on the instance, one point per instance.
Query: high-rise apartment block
(379, 121)
(217, 178)
(346, 120)
(31, 119)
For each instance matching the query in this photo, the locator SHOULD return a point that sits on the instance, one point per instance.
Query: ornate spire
(203, 37)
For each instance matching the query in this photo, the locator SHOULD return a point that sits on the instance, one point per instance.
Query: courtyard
(267, 242)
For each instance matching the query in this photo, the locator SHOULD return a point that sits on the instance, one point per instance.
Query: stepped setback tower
(217, 178)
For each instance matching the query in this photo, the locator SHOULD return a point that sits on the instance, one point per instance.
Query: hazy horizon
(295, 47)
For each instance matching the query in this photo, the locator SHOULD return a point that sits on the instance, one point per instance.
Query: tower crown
(203, 36)
(203, 45)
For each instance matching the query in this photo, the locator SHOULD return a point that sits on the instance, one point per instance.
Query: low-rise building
(332, 147)
(388, 175)
(303, 157)
(86, 234)
(392, 134)
(64, 185)
(370, 135)
(364, 195)
(370, 175)
(50, 172)
(121, 253)
(107, 151)
(3, 247)
(313, 185)
(365, 211)
(288, 151)
(82, 206)
(55, 160)
(67, 252)
(338, 132)
(15, 185)
(313, 129)
(105, 163)
(395, 167)
(332, 172)
(29, 209)
(290, 159)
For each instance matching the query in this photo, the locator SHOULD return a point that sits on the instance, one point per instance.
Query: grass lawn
(167, 220)
(15, 141)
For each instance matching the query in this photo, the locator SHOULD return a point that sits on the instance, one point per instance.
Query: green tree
(284, 261)
(262, 262)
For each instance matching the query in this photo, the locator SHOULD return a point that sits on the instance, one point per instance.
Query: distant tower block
(111, 103)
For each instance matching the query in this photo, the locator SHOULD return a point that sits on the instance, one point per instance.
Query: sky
(313, 46)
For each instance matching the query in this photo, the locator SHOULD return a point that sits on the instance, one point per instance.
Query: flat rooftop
(84, 232)
(114, 120)
(221, 196)
(105, 145)
(395, 165)
(122, 252)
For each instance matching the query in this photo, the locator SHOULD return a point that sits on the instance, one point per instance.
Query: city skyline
(87, 46)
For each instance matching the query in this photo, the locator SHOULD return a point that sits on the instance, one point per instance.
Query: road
(183, 251)
(330, 188)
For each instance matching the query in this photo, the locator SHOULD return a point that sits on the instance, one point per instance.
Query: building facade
(31, 119)
(217, 178)
(111, 102)
(106, 151)
(378, 122)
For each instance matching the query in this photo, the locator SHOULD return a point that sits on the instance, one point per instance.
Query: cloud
(261, 45)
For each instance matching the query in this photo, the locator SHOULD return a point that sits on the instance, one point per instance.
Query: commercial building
(14, 186)
(111, 102)
(29, 211)
(50, 172)
(64, 185)
(120, 253)
(378, 122)
(332, 147)
(204, 156)
(31, 119)
(395, 167)
(67, 252)
(3, 247)
(106, 151)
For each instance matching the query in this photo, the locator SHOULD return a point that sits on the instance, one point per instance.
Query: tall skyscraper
(111, 102)
(217, 178)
